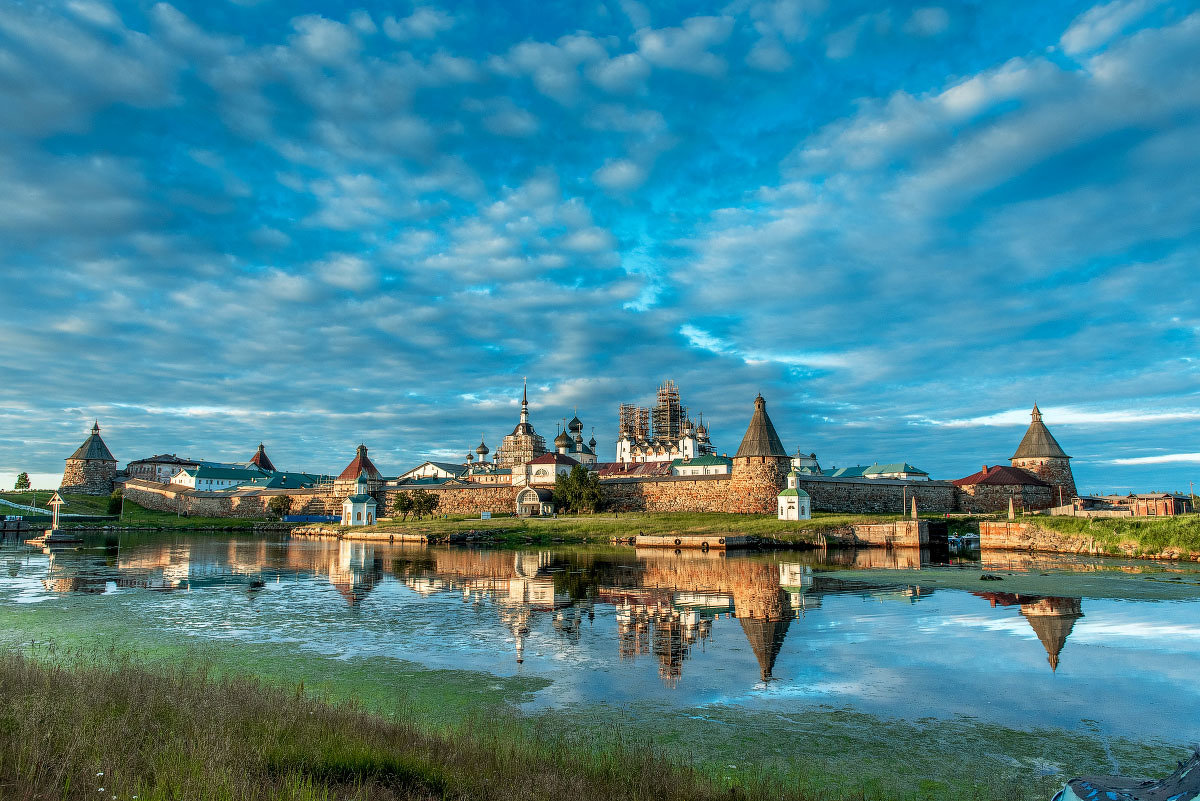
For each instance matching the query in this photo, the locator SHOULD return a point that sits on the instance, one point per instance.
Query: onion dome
(575, 425)
(592, 441)
(562, 440)
(483, 449)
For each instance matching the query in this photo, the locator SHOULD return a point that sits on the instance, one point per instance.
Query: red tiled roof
(1001, 475)
(361, 464)
(553, 458)
(261, 459)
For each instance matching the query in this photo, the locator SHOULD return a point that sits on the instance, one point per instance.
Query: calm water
(765, 632)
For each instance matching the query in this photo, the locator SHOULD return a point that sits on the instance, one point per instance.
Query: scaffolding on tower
(668, 415)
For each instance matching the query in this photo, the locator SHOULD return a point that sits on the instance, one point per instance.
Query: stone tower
(760, 466)
(1040, 454)
(91, 469)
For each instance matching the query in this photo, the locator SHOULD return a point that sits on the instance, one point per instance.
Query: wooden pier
(703, 542)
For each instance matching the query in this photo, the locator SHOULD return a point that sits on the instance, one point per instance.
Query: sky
(314, 225)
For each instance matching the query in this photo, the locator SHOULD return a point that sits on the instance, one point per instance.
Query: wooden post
(55, 502)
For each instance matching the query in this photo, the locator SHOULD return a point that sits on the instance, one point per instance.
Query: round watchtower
(1039, 453)
(91, 469)
(760, 466)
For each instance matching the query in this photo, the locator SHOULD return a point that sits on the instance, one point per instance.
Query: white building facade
(794, 503)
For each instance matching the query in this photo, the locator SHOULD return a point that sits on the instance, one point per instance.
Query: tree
(424, 503)
(114, 502)
(22, 482)
(402, 505)
(577, 491)
(279, 506)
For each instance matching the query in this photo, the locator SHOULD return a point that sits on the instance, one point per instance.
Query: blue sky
(313, 225)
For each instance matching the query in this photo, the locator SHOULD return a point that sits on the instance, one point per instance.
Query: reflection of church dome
(1052, 620)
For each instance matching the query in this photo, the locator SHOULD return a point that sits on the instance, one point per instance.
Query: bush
(114, 502)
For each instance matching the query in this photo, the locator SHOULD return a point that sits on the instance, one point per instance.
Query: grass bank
(76, 504)
(1139, 536)
(605, 526)
(119, 731)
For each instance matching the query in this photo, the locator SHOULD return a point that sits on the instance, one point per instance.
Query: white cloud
(1165, 458)
(1071, 415)
(686, 48)
(769, 55)
(928, 21)
(1098, 25)
(324, 40)
(619, 175)
(426, 22)
(620, 74)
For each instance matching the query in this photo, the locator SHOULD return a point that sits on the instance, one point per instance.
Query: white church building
(359, 508)
(794, 503)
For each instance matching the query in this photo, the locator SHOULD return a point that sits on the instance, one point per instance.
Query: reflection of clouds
(1104, 630)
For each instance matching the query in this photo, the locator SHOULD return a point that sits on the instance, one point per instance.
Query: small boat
(969, 540)
(954, 542)
(1182, 785)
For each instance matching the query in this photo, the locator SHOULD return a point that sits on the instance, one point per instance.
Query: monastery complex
(665, 462)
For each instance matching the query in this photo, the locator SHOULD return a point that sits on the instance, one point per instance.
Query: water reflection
(1052, 618)
(665, 603)
(776, 632)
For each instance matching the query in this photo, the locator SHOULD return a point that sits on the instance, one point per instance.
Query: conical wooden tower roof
(1038, 442)
(93, 447)
(760, 439)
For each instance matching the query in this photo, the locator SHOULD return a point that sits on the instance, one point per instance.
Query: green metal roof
(894, 467)
(225, 474)
(707, 460)
(367, 499)
(799, 493)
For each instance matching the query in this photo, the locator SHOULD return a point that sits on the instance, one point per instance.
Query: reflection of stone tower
(1052, 620)
(91, 469)
(763, 609)
(1040, 454)
(759, 466)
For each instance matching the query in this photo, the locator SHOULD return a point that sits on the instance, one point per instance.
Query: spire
(93, 447)
(1038, 442)
(760, 438)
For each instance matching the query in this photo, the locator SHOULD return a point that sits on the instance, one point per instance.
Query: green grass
(606, 525)
(1148, 535)
(76, 504)
(141, 517)
(116, 729)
